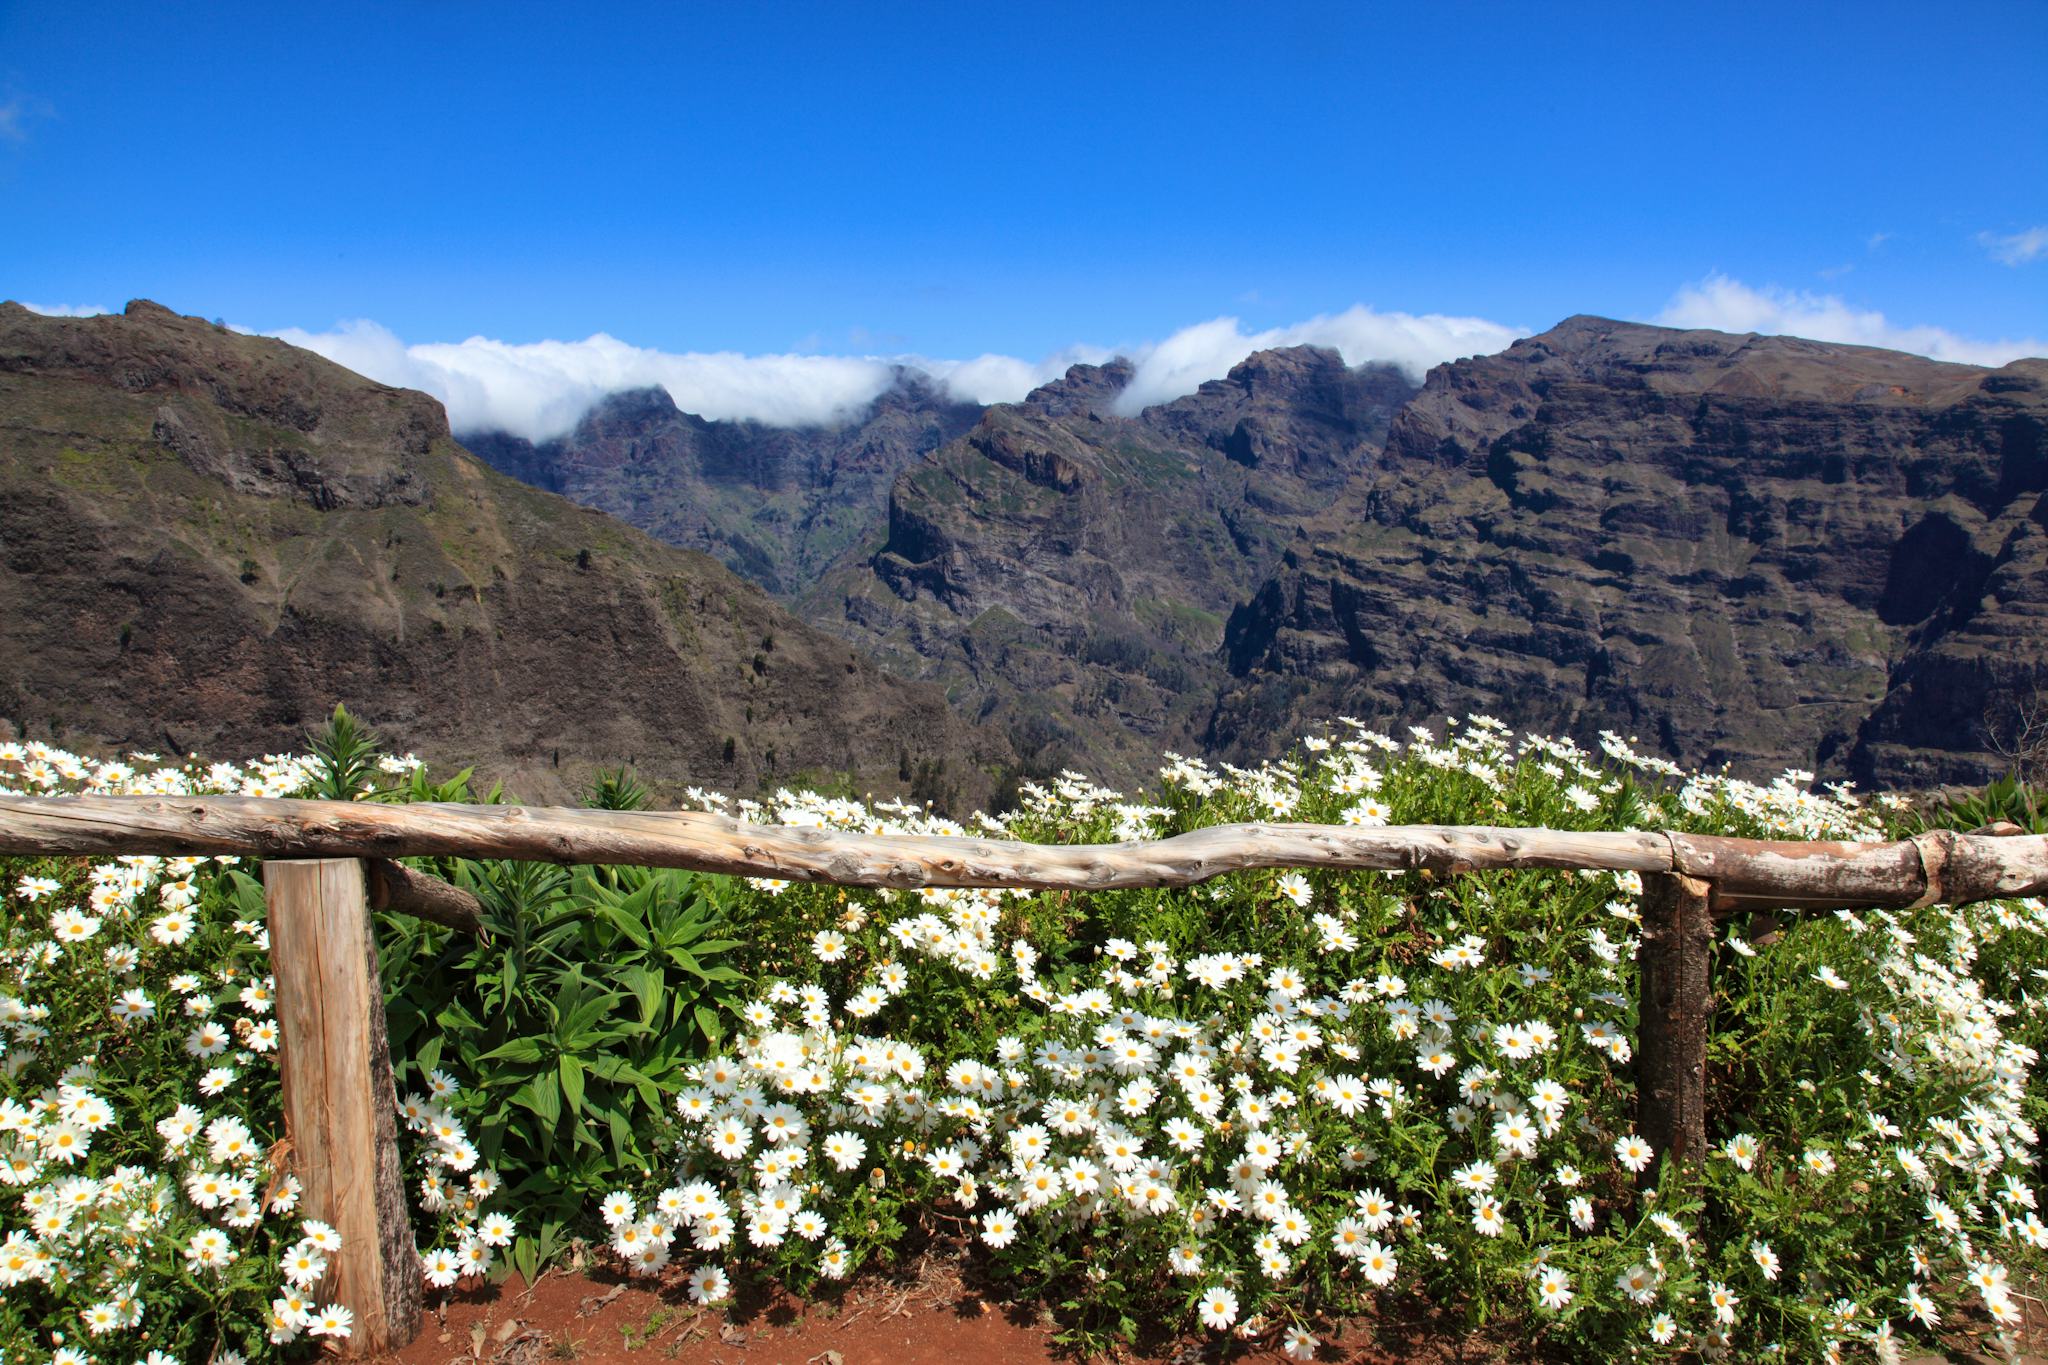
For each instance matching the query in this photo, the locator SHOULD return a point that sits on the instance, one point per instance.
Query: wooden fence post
(1671, 1018)
(339, 1102)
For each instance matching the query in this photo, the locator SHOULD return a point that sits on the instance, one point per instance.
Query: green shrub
(1393, 1040)
(2009, 800)
(571, 1017)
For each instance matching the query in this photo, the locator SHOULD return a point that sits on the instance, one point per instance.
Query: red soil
(931, 1318)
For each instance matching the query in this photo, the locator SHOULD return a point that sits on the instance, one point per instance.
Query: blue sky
(952, 180)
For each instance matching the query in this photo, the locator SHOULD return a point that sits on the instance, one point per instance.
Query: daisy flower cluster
(1276, 1097)
(138, 1095)
(454, 1186)
(1249, 1107)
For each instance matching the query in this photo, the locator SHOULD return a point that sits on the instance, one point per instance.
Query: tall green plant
(616, 789)
(580, 1006)
(346, 752)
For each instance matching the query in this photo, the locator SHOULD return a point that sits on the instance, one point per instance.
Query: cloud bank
(541, 389)
(66, 310)
(1728, 305)
(1004, 378)
(1190, 357)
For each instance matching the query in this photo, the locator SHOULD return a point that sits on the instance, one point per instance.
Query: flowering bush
(1251, 1107)
(146, 1209)
(1280, 1097)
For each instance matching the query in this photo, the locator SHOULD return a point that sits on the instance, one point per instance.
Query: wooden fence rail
(329, 863)
(1743, 872)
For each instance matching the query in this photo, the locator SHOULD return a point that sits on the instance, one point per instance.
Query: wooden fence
(328, 863)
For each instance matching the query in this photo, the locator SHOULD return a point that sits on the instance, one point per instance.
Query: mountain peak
(1083, 388)
(650, 404)
(353, 442)
(1283, 368)
(1699, 360)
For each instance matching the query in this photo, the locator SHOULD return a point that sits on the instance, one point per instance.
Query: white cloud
(1184, 361)
(1005, 378)
(2019, 248)
(1728, 305)
(66, 310)
(541, 389)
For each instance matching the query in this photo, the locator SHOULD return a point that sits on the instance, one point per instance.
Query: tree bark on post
(340, 1105)
(1676, 997)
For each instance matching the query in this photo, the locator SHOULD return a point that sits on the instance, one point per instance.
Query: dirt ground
(931, 1317)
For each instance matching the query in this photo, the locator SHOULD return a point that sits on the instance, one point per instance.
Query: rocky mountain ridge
(1067, 572)
(1751, 550)
(774, 504)
(207, 539)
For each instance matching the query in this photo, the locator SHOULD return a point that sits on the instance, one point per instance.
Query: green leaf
(645, 983)
(543, 1095)
(248, 894)
(455, 1019)
(491, 1137)
(707, 1019)
(579, 1018)
(572, 1081)
(628, 924)
(554, 924)
(518, 1050)
(536, 1185)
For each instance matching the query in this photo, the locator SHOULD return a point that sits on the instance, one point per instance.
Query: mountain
(206, 539)
(1067, 572)
(1750, 550)
(775, 504)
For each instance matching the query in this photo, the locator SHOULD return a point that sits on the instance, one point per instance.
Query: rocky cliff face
(207, 539)
(1067, 572)
(775, 504)
(1751, 550)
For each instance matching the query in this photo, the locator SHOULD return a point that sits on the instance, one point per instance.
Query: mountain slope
(775, 504)
(1066, 572)
(1754, 550)
(207, 539)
